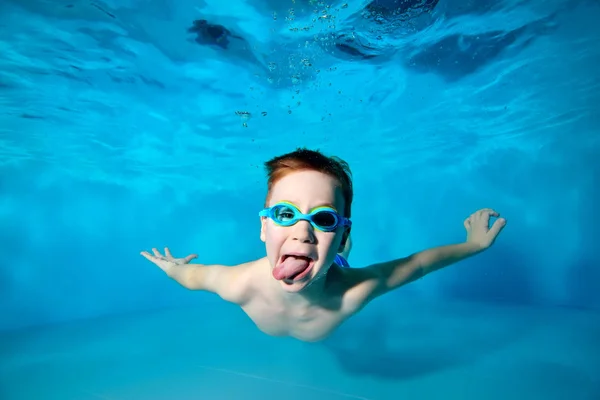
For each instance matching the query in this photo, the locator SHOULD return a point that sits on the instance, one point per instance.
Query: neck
(310, 295)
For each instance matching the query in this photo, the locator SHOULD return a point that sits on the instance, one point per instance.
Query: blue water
(122, 129)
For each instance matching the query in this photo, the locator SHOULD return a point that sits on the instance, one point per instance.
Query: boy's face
(314, 250)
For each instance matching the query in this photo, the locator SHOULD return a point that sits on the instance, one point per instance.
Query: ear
(346, 243)
(263, 229)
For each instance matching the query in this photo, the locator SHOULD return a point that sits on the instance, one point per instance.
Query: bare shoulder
(234, 283)
(358, 286)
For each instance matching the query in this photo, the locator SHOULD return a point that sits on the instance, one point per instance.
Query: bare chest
(304, 323)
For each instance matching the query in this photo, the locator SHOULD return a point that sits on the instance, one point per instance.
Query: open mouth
(295, 255)
(293, 268)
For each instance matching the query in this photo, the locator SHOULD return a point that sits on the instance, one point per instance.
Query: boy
(303, 288)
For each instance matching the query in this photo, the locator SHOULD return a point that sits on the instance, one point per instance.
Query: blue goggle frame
(273, 212)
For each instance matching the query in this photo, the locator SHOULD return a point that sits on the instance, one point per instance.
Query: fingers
(155, 260)
(485, 216)
(147, 255)
(498, 225)
(190, 258)
(488, 211)
(167, 257)
(484, 213)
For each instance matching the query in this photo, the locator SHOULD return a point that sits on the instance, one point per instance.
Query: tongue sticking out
(291, 267)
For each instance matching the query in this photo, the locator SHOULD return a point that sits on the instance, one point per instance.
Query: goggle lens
(286, 215)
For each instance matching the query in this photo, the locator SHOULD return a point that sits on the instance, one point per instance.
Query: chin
(293, 286)
(297, 286)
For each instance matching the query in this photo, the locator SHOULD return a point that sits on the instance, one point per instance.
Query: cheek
(274, 233)
(274, 238)
(329, 244)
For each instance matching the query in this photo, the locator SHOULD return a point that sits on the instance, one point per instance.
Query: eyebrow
(324, 205)
(320, 204)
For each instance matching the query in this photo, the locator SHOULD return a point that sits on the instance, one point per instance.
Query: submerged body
(302, 287)
(277, 313)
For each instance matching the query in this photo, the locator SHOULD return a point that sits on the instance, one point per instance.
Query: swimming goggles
(321, 218)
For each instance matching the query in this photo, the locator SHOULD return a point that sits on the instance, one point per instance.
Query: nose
(303, 232)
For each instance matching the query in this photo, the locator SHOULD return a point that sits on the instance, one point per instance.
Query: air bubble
(244, 116)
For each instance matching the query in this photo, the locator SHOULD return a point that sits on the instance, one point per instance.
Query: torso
(308, 322)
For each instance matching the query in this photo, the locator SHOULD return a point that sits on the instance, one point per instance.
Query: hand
(477, 227)
(167, 262)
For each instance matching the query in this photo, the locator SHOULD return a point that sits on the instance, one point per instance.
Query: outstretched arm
(393, 274)
(219, 279)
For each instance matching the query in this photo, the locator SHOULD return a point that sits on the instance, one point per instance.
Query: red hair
(302, 160)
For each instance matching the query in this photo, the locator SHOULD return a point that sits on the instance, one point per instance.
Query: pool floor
(426, 350)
